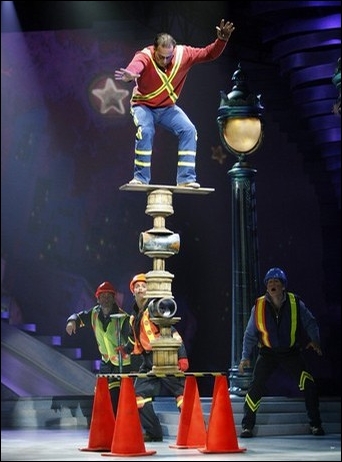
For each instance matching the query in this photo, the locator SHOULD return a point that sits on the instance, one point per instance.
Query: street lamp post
(241, 131)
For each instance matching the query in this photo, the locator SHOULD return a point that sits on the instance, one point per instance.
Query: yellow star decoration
(111, 97)
(218, 154)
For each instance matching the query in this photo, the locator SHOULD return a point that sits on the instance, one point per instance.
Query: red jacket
(158, 88)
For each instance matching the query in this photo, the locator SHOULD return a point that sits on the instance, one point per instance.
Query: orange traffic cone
(221, 435)
(128, 439)
(102, 419)
(191, 430)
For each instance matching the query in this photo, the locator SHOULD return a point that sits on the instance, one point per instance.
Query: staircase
(42, 387)
(277, 416)
(29, 368)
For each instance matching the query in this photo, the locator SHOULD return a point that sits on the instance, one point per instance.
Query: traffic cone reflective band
(128, 439)
(102, 419)
(221, 434)
(191, 428)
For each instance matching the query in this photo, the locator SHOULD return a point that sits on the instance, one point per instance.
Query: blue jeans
(174, 119)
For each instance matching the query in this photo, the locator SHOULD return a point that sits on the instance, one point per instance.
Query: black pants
(113, 383)
(150, 387)
(293, 363)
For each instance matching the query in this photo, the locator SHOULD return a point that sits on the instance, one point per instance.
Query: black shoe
(317, 431)
(150, 438)
(246, 433)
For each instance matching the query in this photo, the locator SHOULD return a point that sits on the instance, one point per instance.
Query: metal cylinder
(155, 245)
(163, 308)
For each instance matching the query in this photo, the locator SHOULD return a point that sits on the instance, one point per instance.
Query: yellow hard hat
(138, 277)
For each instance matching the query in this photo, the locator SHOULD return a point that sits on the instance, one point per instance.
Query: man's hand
(125, 75)
(224, 31)
(243, 364)
(315, 347)
(121, 351)
(71, 327)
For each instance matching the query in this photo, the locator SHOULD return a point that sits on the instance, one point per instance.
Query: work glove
(183, 364)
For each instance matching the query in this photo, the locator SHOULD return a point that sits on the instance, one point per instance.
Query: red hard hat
(105, 287)
(138, 277)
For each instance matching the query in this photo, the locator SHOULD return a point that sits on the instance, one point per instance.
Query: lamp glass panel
(242, 134)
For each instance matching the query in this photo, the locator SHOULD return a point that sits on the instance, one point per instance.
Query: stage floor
(65, 445)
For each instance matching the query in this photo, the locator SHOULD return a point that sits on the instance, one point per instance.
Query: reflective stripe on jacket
(107, 341)
(166, 81)
(148, 332)
(281, 331)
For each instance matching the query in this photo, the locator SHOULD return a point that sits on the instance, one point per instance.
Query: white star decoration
(111, 97)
